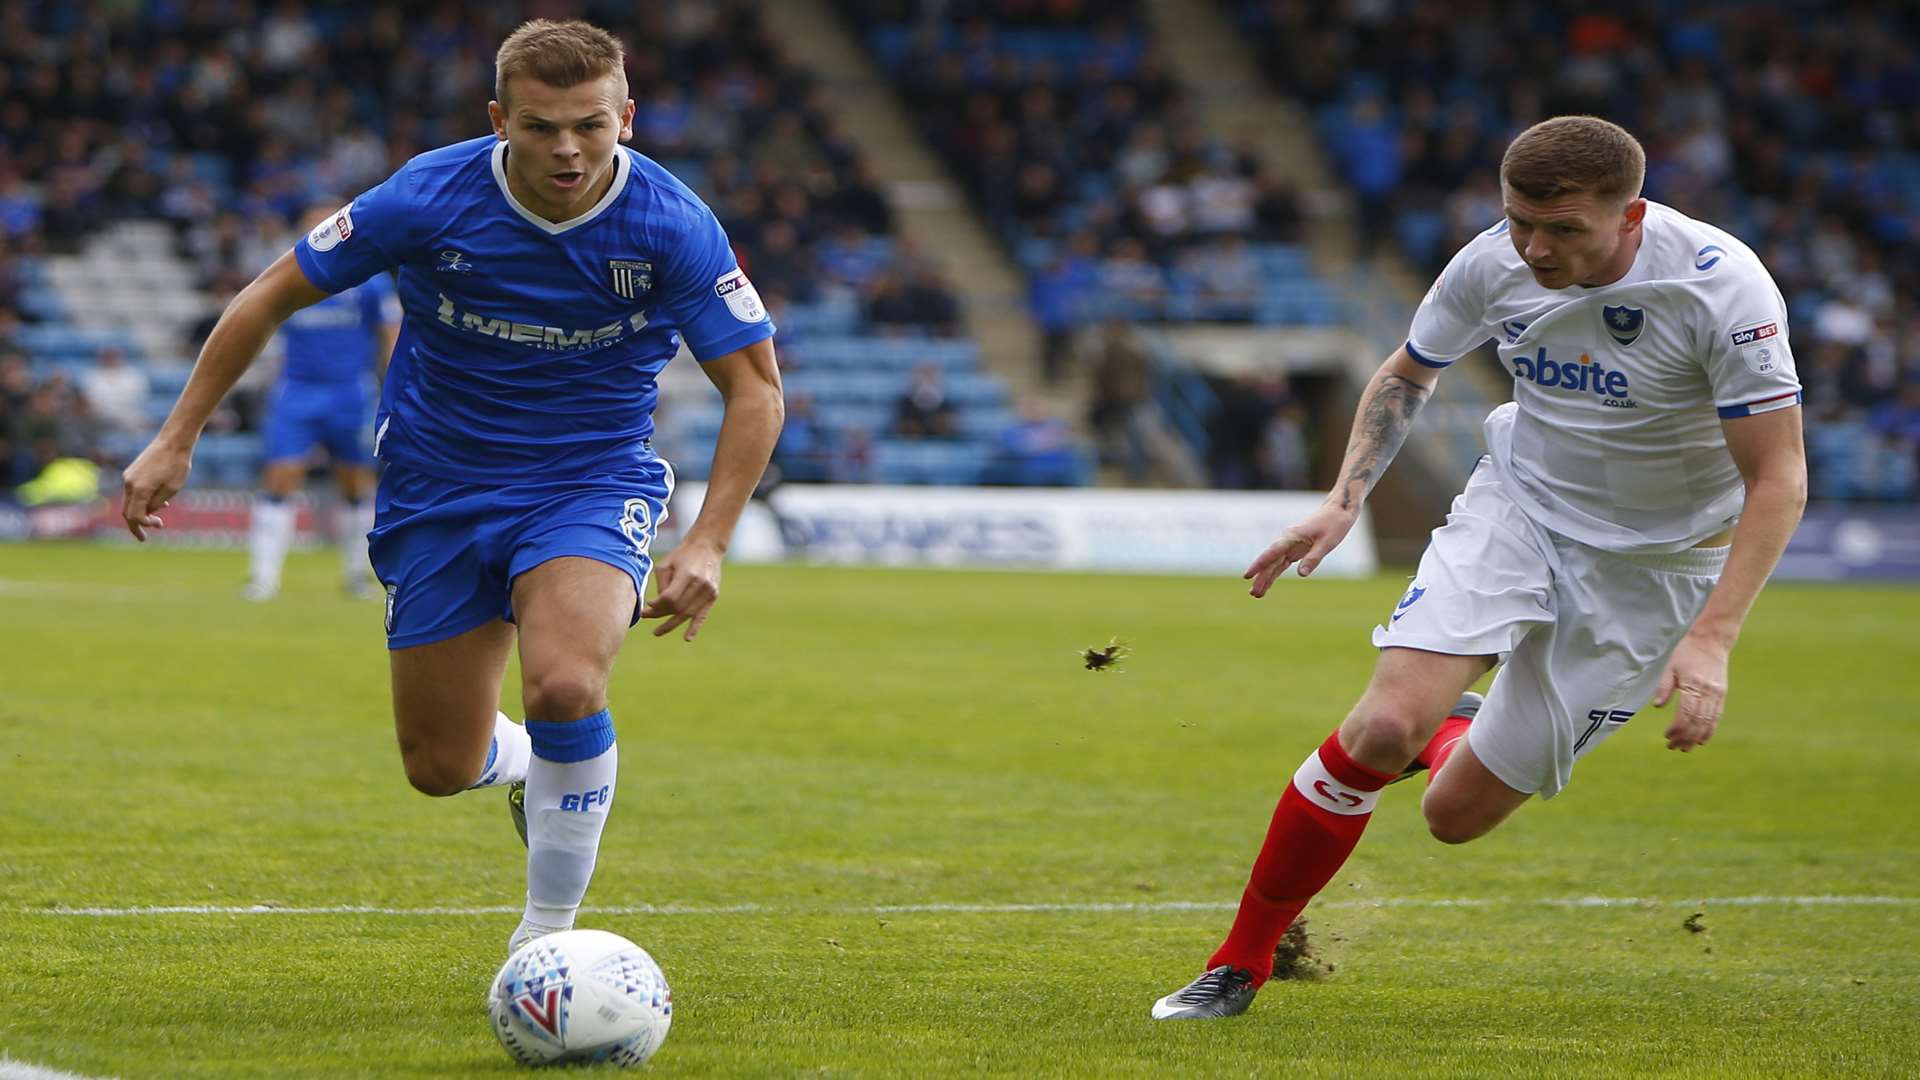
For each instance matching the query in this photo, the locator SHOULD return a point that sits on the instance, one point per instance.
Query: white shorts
(1583, 635)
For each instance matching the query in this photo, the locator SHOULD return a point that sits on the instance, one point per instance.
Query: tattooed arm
(1380, 425)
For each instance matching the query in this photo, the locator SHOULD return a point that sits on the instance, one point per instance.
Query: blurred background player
(1638, 491)
(322, 399)
(547, 275)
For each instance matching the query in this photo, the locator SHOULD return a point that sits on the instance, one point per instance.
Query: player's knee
(1381, 734)
(563, 693)
(436, 774)
(1452, 827)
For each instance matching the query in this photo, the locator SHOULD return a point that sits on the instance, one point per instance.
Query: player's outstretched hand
(689, 580)
(1697, 677)
(1305, 542)
(152, 481)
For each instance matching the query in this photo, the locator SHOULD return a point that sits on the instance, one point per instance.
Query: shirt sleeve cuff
(734, 342)
(1428, 361)
(1765, 405)
(311, 267)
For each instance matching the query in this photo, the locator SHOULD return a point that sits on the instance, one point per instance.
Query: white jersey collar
(621, 167)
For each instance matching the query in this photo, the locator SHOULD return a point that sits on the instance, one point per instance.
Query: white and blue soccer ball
(580, 995)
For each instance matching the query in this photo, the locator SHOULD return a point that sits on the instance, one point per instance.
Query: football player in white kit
(1637, 492)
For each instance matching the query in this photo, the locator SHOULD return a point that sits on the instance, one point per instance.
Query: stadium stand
(153, 155)
(1793, 125)
(1083, 153)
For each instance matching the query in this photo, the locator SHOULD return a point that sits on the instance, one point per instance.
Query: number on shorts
(1596, 717)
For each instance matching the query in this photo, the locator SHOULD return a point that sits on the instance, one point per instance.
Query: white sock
(268, 539)
(352, 522)
(508, 757)
(570, 783)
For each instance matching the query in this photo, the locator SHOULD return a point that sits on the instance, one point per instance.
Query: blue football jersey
(529, 348)
(336, 341)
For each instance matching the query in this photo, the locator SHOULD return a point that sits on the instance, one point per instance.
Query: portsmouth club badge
(1623, 323)
(631, 277)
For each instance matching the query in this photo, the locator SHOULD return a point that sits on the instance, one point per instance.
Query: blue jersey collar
(621, 166)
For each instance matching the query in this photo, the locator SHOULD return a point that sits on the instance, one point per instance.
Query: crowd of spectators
(1084, 154)
(1795, 125)
(229, 118)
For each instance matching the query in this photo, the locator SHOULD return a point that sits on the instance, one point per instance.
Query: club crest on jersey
(1623, 323)
(631, 277)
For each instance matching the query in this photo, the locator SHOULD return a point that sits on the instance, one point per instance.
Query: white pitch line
(13, 1069)
(1140, 907)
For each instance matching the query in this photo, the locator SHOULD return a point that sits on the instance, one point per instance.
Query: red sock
(1440, 747)
(1320, 818)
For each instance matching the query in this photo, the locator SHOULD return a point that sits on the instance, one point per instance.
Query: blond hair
(560, 54)
(1570, 155)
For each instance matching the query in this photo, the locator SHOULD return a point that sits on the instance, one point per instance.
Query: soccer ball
(580, 995)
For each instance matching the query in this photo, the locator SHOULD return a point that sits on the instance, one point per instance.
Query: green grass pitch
(841, 795)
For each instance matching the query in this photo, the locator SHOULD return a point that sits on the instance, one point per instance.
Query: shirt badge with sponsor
(335, 230)
(740, 295)
(1759, 345)
(631, 277)
(1623, 323)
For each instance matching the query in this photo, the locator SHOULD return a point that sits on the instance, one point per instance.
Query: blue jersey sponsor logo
(1585, 375)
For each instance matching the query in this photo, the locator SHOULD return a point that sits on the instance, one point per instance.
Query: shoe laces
(1216, 983)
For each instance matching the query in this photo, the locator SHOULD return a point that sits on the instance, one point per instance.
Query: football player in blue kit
(546, 275)
(333, 352)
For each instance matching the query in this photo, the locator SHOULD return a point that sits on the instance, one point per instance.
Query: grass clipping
(1294, 958)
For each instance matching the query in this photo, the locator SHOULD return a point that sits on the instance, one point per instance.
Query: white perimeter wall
(1104, 529)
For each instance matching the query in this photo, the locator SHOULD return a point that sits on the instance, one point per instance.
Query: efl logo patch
(631, 277)
(1748, 335)
(1761, 359)
(1623, 323)
(740, 295)
(334, 231)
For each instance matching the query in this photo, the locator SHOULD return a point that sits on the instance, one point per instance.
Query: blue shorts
(448, 551)
(301, 416)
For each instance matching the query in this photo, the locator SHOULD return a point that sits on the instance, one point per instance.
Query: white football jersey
(1613, 438)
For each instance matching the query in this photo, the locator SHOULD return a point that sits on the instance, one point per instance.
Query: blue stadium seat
(908, 461)
(228, 459)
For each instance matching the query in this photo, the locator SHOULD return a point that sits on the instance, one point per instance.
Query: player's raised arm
(160, 471)
(689, 577)
(1380, 425)
(1770, 452)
